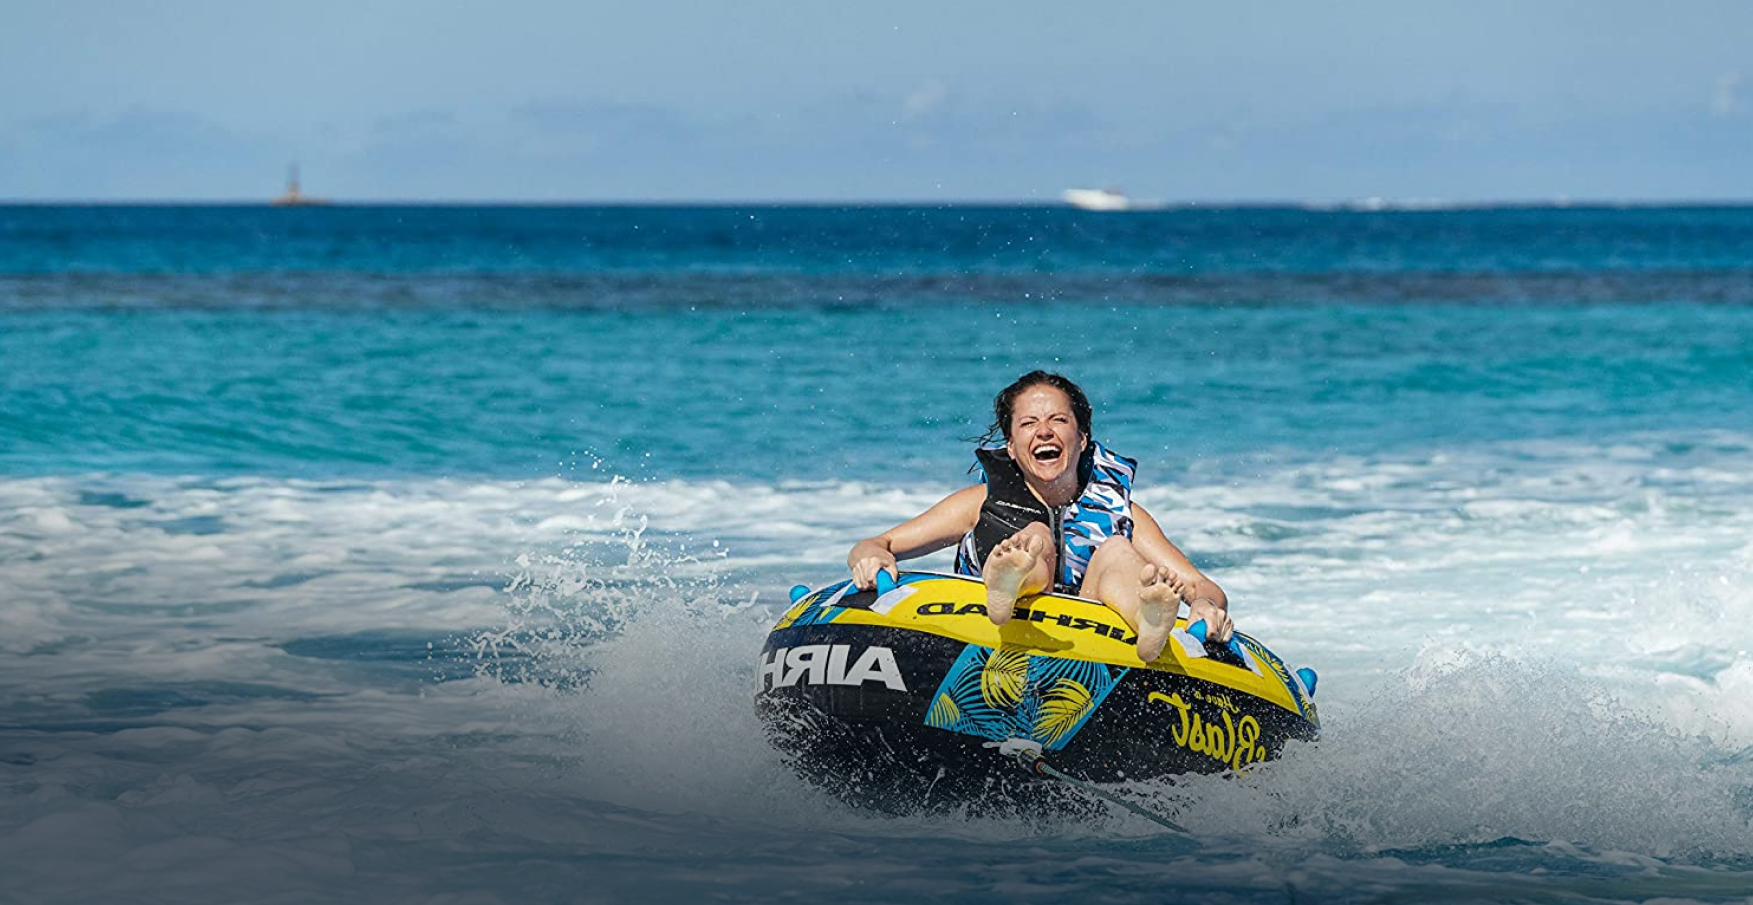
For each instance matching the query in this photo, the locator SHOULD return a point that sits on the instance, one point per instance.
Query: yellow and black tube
(899, 697)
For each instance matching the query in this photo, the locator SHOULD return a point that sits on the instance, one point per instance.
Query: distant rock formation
(292, 197)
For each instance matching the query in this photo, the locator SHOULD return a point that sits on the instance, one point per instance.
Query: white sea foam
(304, 682)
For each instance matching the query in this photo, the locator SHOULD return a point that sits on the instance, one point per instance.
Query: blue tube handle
(1200, 630)
(1309, 679)
(885, 582)
(798, 591)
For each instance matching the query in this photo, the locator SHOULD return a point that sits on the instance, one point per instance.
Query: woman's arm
(931, 530)
(1205, 600)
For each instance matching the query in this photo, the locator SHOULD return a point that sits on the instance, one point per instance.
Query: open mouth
(1048, 452)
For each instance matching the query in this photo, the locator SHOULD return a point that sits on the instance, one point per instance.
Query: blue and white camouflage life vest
(1103, 510)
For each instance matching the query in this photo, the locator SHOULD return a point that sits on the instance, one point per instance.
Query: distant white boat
(1097, 199)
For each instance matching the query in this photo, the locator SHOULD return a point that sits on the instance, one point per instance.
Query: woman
(1055, 513)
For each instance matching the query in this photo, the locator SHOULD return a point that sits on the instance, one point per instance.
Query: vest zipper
(1058, 546)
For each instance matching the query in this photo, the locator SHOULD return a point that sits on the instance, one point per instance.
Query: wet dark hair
(1005, 403)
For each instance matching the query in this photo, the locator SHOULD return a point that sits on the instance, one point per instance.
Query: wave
(1533, 659)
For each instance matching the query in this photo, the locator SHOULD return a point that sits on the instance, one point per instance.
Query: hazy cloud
(137, 154)
(143, 132)
(857, 145)
(602, 123)
(924, 99)
(417, 124)
(1726, 99)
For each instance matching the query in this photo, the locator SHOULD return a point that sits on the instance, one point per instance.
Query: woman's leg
(1020, 565)
(1141, 592)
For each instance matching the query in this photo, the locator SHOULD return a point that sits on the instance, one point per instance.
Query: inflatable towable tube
(903, 697)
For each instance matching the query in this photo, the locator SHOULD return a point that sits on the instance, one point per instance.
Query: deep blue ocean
(425, 553)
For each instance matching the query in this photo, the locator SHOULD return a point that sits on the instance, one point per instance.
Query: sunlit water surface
(386, 579)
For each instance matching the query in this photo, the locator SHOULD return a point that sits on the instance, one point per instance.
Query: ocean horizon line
(1352, 205)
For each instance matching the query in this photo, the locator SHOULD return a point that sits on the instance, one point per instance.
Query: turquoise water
(426, 552)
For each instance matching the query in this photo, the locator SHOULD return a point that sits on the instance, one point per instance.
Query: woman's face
(1044, 439)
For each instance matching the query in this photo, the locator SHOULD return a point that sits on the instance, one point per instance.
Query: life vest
(1101, 511)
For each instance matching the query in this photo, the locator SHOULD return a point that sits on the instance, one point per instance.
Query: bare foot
(1007, 567)
(1158, 603)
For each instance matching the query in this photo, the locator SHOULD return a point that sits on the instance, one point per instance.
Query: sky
(664, 101)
